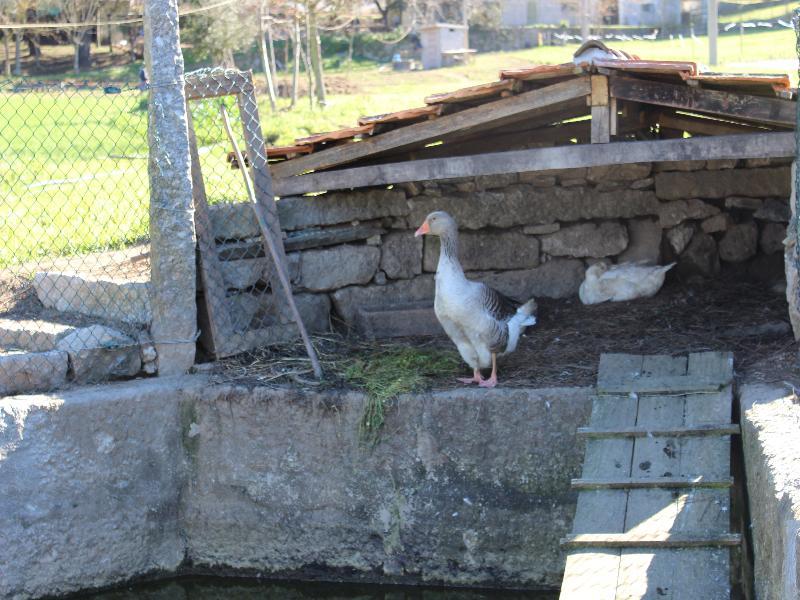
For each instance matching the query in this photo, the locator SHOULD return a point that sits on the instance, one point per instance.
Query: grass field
(73, 174)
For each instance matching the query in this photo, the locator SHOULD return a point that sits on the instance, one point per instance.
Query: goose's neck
(448, 255)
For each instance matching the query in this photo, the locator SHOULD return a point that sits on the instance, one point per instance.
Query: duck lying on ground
(481, 321)
(621, 282)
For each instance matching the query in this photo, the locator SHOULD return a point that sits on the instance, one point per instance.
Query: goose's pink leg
(492, 381)
(476, 378)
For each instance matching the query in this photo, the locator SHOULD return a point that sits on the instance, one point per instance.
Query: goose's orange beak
(423, 229)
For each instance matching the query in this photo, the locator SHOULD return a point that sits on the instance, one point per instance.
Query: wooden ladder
(653, 514)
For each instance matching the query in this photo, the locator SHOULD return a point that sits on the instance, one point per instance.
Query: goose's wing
(498, 306)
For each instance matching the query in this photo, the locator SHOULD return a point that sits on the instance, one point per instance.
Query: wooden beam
(700, 125)
(756, 145)
(738, 106)
(650, 540)
(651, 482)
(601, 117)
(504, 110)
(640, 432)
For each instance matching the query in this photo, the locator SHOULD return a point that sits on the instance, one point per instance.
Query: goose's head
(437, 223)
(596, 271)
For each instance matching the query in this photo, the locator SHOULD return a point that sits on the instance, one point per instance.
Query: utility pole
(712, 32)
(584, 19)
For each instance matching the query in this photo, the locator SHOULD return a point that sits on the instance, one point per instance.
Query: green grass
(387, 373)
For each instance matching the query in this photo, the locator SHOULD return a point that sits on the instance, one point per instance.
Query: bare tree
(269, 65)
(82, 16)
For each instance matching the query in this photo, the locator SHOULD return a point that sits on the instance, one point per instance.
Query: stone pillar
(792, 251)
(172, 235)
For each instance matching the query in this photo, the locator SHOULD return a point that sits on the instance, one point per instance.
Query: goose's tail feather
(525, 317)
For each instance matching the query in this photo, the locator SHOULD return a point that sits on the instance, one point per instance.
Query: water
(206, 588)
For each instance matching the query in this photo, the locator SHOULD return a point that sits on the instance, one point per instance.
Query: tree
(82, 17)
(217, 34)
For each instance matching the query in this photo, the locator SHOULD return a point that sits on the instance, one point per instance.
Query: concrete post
(712, 32)
(172, 235)
(792, 249)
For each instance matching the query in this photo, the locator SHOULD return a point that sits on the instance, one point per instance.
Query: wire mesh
(74, 264)
(243, 305)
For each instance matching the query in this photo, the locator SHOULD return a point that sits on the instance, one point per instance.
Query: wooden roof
(551, 105)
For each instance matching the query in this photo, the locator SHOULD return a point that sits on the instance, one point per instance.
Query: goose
(481, 321)
(621, 282)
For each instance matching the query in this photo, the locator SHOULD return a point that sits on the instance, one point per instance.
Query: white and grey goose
(481, 321)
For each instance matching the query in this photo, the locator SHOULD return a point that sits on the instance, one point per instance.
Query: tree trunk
(7, 48)
(76, 59)
(307, 65)
(271, 46)
(296, 66)
(18, 53)
(85, 51)
(268, 68)
(315, 54)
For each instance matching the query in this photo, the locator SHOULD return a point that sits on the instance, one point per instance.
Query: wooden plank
(419, 133)
(590, 574)
(642, 431)
(649, 540)
(214, 317)
(711, 364)
(702, 125)
(619, 366)
(651, 482)
(474, 92)
(601, 125)
(756, 145)
(739, 106)
(664, 384)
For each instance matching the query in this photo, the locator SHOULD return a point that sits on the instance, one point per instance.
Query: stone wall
(770, 417)
(528, 234)
(467, 487)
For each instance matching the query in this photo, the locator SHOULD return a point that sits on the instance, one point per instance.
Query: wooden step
(650, 540)
(665, 384)
(651, 482)
(640, 431)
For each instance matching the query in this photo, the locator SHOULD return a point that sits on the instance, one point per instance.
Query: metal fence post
(172, 254)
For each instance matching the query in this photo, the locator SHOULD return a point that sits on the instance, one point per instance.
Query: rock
(241, 274)
(316, 237)
(24, 372)
(236, 220)
(541, 229)
(578, 181)
(337, 267)
(347, 301)
(717, 223)
(481, 251)
(374, 240)
(607, 186)
(33, 335)
(401, 255)
(643, 184)
(700, 257)
(411, 188)
(488, 182)
(680, 236)
(772, 236)
(528, 205)
(150, 368)
(557, 278)
(315, 310)
(677, 211)
(466, 186)
(720, 164)
(774, 210)
(774, 329)
(756, 183)
(99, 353)
(752, 163)
(644, 242)
(769, 418)
(113, 300)
(380, 278)
(680, 165)
(536, 179)
(587, 239)
(739, 243)
(623, 172)
(743, 202)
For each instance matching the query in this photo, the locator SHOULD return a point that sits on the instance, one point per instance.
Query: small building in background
(650, 13)
(441, 40)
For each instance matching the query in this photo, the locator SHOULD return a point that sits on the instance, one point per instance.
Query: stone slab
(24, 372)
(33, 335)
(557, 278)
(487, 250)
(99, 353)
(401, 255)
(587, 240)
(644, 243)
(770, 421)
(114, 300)
(754, 183)
(348, 300)
(398, 320)
(337, 267)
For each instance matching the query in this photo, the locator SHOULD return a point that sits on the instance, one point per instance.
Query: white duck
(481, 321)
(621, 282)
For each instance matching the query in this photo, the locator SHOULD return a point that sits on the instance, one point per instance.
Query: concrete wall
(526, 234)
(101, 485)
(770, 417)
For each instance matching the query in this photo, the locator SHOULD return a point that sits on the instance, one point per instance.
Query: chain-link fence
(74, 262)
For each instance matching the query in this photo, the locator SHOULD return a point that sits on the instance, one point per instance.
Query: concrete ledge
(103, 484)
(771, 438)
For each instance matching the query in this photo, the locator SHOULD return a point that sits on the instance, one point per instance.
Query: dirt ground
(563, 349)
